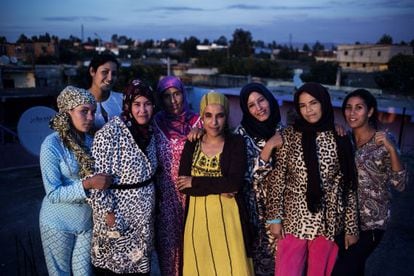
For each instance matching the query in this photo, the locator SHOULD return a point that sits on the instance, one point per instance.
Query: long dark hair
(369, 101)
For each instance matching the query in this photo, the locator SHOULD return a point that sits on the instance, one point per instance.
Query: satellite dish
(33, 127)
(4, 60)
(13, 60)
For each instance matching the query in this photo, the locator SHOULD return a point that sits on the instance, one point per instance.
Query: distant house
(39, 76)
(29, 51)
(368, 57)
(212, 47)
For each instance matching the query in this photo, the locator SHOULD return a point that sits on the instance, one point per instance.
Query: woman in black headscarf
(311, 191)
(259, 127)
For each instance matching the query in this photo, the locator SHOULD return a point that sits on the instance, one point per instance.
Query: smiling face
(258, 106)
(104, 77)
(173, 100)
(310, 108)
(356, 112)
(142, 109)
(214, 120)
(83, 117)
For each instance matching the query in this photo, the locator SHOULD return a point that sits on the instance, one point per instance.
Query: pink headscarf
(175, 126)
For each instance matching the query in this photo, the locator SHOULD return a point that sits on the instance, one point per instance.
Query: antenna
(33, 127)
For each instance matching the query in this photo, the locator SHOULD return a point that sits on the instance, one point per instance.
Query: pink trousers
(292, 254)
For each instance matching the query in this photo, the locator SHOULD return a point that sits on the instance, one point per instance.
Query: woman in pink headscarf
(172, 126)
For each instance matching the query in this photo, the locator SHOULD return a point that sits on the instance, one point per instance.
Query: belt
(131, 186)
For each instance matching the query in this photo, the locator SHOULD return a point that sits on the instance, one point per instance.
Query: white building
(369, 57)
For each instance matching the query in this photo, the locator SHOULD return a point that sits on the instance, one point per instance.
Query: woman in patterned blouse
(379, 169)
(66, 165)
(260, 128)
(311, 191)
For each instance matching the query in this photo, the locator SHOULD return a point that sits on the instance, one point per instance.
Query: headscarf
(141, 133)
(314, 193)
(69, 98)
(172, 125)
(213, 97)
(255, 128)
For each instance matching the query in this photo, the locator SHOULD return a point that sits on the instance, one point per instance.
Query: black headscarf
(256, 129)
(141, 133)
(326, 123)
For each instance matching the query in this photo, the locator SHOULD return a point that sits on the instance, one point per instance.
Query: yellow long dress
(213, 238)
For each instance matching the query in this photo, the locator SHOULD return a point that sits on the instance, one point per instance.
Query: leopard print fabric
(287, 185)
(126, 247)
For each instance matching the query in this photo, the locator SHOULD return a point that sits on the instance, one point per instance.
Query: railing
(6, 133)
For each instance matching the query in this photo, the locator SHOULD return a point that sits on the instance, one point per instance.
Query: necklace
(363, 140)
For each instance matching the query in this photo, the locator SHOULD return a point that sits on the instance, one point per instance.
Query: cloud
(75, 18)
(245, 7)
(281, 8)
(171, 8)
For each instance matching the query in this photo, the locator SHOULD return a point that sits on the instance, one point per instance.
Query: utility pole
(99, 43)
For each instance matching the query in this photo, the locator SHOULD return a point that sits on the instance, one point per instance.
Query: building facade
(369, 57)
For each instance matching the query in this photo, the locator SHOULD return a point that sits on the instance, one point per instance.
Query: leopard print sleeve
(275, 182)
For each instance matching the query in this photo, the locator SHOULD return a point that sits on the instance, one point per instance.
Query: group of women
(263, 199)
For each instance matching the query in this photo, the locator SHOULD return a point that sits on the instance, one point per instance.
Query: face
(214, 120)
(105, 76)
(357, 113)
(83, 117)
(173, 100)
(258, 106)
(310, 108)
(142, 110)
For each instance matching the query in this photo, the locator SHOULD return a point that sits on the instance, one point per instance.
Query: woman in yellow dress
(216, 239)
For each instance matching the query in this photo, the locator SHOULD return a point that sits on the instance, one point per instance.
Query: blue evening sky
(337, 21)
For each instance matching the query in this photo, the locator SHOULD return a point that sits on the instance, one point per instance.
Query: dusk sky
(345, 21)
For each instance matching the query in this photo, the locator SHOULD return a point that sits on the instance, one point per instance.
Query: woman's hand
(381, 138)
(274, 142)
(228, 195)
(110, 219)
(350, 240)
(100, 181)
(195, 134)
(277, 231)
(340, 130)
(184, 182)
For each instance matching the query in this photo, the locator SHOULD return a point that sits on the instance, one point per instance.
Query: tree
(305, 48)
(385, 39)
(318, 47)
(402, 68)
(322, 72)
(222, 40)
(189, 47)
(242, 44)
(205, 42)
(23, 39)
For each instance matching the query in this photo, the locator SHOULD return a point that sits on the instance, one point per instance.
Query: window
(361, 53)
(346, 53)
(379, 53)
(348, 64)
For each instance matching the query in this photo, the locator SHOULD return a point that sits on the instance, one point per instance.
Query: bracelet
(274, 221)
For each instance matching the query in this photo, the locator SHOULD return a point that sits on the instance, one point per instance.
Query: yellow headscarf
(214, 97)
